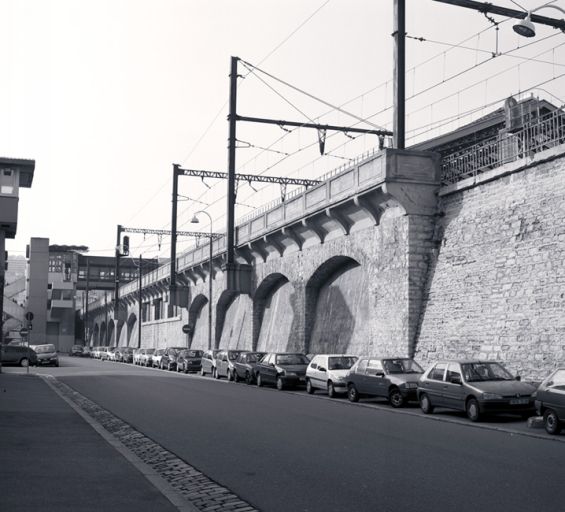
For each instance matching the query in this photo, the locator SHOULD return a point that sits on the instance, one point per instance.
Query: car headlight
(491, 396)
(280, 371)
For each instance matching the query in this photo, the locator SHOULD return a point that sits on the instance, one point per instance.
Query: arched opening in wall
(273, 314)
(337, 315)
(103, 332)
(111, 327)
(96, 335)
(131, 324)
(198, 323)
(224, 302)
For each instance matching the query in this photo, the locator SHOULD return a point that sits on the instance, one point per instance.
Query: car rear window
(341, 363)
(292, 359)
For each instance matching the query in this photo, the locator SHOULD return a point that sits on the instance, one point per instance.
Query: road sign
(29, 316)
(23, 332)
(186, 328)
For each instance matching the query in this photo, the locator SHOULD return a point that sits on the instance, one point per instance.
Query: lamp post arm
(548, 6)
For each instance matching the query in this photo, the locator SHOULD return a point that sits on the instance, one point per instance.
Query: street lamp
(196, 221)
(525, 27)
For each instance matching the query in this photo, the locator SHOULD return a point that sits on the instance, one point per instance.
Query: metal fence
(539, 134)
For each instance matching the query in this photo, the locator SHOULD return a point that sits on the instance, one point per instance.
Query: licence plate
(520, 401)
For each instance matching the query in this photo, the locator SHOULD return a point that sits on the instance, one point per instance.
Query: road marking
(184, 486)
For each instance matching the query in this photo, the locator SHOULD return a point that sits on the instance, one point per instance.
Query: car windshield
(149, 350)
(402, 366)
(194, 353)
(253, 358)
(232, 356)
(39, 349)
(341, 363)
(127, 350)
(292, 359)
(477, 372)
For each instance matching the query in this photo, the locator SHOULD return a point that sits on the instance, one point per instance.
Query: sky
(106, 95)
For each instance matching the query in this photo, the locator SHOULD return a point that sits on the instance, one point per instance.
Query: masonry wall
(496, 282)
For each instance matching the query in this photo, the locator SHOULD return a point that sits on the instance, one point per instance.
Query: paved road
(287, 451)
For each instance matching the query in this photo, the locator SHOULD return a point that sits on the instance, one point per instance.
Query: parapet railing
(537, 135)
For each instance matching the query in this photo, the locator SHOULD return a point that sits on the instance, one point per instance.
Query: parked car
(282, 369)
(125, 355)
(86, 352)
(245, 365)
(156, 358)
(17, 355)
(189, 360)
(169, 358)
(46, 355)
(146, 357)
(96, 351)
(225, 360)
(76, 350)
(393, 378)
(208, 362)
(107, 353)
(328, 372)
(550, 401)
(137, 355)
(476, 387)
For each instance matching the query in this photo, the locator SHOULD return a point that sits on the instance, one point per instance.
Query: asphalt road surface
(284, 451)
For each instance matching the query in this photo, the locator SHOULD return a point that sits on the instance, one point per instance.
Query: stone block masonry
(496, 283)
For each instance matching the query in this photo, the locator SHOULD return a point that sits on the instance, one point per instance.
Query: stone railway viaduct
(391, 255)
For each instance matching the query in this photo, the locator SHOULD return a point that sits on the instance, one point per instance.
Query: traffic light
(125, 246)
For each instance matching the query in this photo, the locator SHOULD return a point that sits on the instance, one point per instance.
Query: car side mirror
(321, 368)
(518, 378)
(455, 379)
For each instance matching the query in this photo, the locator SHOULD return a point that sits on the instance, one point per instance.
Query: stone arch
(96, 335)
(261, 300)
(103, 333)
(119, 331)
(111, 328)
(130, 329)
(194, 312)
(341, 318)
(222, 306)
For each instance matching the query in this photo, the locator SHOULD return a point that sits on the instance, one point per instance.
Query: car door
(555, 394)
(375, 380)
(268, 371)
(434, 384)
(453, 389)
(314, 373)
(357, 375)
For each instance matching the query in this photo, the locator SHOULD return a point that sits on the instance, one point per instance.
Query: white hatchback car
(327, 372)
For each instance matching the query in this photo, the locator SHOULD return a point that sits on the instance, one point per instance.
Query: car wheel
(551, 422)
(280, 384)
(57, 365)
(202, 372)
(331, 389)
(248, 379)
(24, 362)
(473, 411)
(215, 373)
(352, 393)
(395, 398)
(309, 388)
(230, 377)
(426, 404)
(259, 381)
(235, 376)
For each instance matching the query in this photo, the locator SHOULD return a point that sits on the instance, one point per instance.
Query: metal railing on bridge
(537, 135)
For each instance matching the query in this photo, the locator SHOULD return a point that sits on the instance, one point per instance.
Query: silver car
(476, 387)
(46, 355)
(328, 372)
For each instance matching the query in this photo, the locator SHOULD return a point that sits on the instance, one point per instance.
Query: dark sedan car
(225, 360)
(46, 355)
(17, 354)
(550, 401)
(125, 355)
(245, 364)
(395, 379)
(189, 360)
(169, 358)
(76, 350)
(282, 369)
(476, 387)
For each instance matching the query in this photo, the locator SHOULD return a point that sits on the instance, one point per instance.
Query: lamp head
(525, 27)
(194, 220)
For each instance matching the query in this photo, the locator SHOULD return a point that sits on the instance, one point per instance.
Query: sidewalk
(51, 460)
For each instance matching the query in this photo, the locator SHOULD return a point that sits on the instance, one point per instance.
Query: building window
(158, 309)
